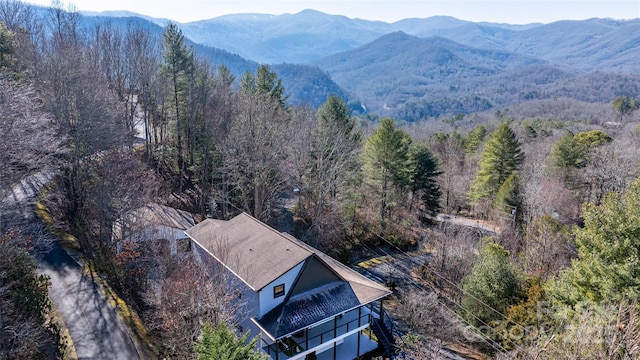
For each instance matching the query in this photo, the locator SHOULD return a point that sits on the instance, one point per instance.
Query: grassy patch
(368, 264)
(65, 343)
(67, 240)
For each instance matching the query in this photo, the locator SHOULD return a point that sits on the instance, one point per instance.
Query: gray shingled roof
(154, 214)
(256, 253)
(309, 308)
(365, 289)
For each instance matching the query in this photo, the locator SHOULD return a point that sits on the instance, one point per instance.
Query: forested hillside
(290, 38)
(505, 232)
(603, 44)
(421, 78)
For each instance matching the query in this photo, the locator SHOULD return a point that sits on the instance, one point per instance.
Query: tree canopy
(625, 105)
(264, 81)
(574, 152)
(7, 45)
(24, 301)
(491, 286)
(474, 139)
(424, 173)
(509, 196)
(333, 154)
(566, 153)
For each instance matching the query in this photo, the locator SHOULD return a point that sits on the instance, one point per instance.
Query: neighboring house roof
(154, 214)
(259, 255)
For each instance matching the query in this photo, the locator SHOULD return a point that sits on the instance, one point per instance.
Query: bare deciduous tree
(255, 153)
(184, 300)
(455, 253)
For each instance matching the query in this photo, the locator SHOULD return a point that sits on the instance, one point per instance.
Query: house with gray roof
(302, 303)
(159, 226)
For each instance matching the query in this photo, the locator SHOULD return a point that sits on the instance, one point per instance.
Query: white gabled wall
(165, 232)
(267, 301)
(155, 233)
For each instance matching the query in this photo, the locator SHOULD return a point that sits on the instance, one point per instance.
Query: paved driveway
(96, 330)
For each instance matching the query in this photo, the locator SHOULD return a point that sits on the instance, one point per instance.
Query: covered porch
(344, 336)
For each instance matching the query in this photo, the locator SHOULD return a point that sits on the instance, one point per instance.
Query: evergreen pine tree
(423, 177)
(509, 197)
(387, 162)
(7, 45)
(491, 286)
(265, 81)
(474, 139)
(221, 343)
(625, 105)
(567, 154)
(501, 157)
(334, 149)
(179, 66)
(608, 263)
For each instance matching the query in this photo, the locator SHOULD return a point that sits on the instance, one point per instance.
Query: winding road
(94, 326)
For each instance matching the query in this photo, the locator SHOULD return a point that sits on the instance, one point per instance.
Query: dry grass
(368, 264)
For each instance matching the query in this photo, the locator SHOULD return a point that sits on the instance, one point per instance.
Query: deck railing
(290, 346)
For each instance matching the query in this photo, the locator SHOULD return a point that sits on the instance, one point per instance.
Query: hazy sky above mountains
(501, 11)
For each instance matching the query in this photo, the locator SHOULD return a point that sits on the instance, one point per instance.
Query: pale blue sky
(504, 11)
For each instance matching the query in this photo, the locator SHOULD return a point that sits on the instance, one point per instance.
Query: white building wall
(158, 232)
(267, 299)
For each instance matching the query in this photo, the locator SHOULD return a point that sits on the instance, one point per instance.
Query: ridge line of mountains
(421, 68)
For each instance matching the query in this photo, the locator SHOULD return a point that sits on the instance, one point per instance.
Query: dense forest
(128, 118)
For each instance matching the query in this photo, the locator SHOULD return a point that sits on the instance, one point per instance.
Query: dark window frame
(278, 291)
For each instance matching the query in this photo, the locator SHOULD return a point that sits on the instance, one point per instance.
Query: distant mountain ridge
(298, 38)
(422, 68)
(412, 78)
(305, 37)
(398, 70)
(310, 35)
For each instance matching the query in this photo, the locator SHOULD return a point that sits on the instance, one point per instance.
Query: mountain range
(421, 68)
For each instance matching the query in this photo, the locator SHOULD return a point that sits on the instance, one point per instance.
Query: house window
(278, 290)
(184, 245)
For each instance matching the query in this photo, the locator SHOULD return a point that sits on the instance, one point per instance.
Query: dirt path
(487, 226)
